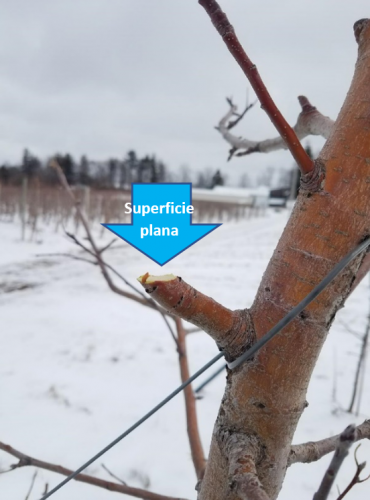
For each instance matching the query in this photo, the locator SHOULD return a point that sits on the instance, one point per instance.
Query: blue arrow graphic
(161, 222)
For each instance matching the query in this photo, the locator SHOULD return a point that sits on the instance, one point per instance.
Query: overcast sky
(99, 77)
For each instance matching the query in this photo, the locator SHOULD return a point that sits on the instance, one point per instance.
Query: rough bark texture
(233, 331)
(266, 397)
(243, 452)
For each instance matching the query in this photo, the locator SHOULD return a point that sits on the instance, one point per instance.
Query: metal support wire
(299, 308)
(291, 315)
(209, 379)
(135, 426)
(237, 362)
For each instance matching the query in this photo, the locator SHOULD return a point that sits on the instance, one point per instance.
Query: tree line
(111, 173)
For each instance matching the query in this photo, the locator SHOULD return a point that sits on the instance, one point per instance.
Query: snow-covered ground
(79, 364)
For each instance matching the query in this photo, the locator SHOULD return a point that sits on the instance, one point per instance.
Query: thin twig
(335, 377)
(7, 470)
(358, 383)
(113, 475)
(32, 485)
(102, 263)
(95, 250)
(350, 330)
(108, 266)
(106, 247)
(223, 26)
(356, 478)
(69, 255)
(147, 300)
(96, 253)
(347, 438)
(26, 460)
(361, 387)
(309, 122)
(233, 123)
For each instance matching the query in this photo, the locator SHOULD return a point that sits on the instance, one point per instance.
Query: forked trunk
(265, 398)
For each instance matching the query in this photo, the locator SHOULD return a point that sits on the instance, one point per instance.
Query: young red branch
(223, 26)
(26, 460)
(314, 451)
(197, 452)
(232, 330)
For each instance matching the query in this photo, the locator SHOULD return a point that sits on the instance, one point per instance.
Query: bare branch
(239, 117)
(113, 475)
(96, 253)
(26, 460)
(223, 26)
(99, 260)
(347, 438)
(310, 122)
(360, 369)
(69, 255)
(356, 478)
(313, 451)
(109, 245)
(349, 329)
(196, 447)
(104, 265)
(95, 250)
(232, 330)
(148, 302)
(31, 485)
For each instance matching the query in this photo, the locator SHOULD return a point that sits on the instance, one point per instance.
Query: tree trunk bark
(265, 397)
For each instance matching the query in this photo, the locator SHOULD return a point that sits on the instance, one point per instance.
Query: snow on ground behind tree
(79, 364)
